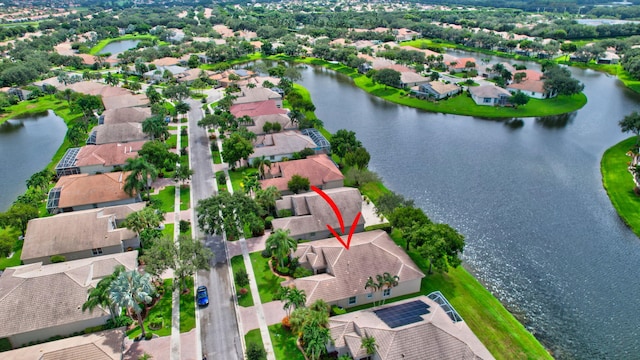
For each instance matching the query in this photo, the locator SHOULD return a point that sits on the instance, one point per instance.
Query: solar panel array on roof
(403, 314)
(444, 304)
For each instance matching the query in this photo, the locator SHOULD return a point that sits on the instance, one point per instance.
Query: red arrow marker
(339, 216)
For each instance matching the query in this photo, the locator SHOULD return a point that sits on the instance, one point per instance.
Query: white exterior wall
(61, 330)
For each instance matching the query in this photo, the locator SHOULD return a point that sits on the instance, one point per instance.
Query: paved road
(218, 323)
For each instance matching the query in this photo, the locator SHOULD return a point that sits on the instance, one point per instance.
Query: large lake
(541, 232)
(116, 47)
(27, 145)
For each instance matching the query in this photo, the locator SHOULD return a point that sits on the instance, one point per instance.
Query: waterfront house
(311, 213)
(490, 95)
(124, 115)
(79, 234)
(321, 171)
(460, 64)
(531, 84)
(84, 191)
(257, 122)
(93, 159)
(411, 78)
(257, 94)
(340, 275)
(117, 133)
(278, 146)
(423, 327)
(436, 89)
(40, 301)
(253, 109)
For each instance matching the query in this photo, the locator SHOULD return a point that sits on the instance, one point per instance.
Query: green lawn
(168, 230)
(630, 82)
(167, 198)
(163, 306)
(237, 263)
(503, 335)
(188, 308)
(172, 141)
(184, 141)
(464, 105)
(216, 158)
(284, 343)
(268, 283)
(185, 197)
(238, 175)
(17, 248)
(254, 336)
(618, 182)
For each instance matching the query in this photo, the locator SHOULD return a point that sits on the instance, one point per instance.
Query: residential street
(218, 323)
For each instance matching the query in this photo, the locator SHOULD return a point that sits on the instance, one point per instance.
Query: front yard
(268, 283)
(237, 263)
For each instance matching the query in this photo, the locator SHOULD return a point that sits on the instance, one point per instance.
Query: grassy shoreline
(100, 45)
(618, 183)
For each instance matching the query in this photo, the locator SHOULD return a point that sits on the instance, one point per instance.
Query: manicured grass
(167, 198)
(185, 197)
(168, 230)
(374, 190)
(464, 105)
(17, 248)
(237, 177)
(188, 308)
(216, 158)
(172, 141)
(503, 335)
(628, 81)
(618, 182)
(184, 141)
(284, 343)
(163, 306)
(254, 336)
(268, 283)
(237, 263)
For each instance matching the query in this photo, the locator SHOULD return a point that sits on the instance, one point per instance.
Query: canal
(27, 145)
(540, 230)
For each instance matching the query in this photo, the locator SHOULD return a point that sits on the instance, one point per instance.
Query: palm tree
(389, 281)
(182, 107)
(147, 218)
(99, 296)
(266, 198)
(373, 286)
(261, 163)
(315, 338)
(142, 173)
(369, 345)
(155, 127)
(281, 245)
(130, 289)
(294, 298)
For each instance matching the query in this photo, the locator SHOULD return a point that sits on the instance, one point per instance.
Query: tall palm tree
(373, 286)
(262, 164)
(389, 281)
(155, 127)
(99, 296)
(250, 183)
(267, 199)
(294, 298)
(369, 345)
(130, 289)
(281, 245)
(141, 174)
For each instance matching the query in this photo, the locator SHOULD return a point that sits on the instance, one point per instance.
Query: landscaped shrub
(266, 253)
(93, 329)
(222, 179)
(386, 227)
(301, 272)
(156, 321)
(282, 270)
(243, 291)
(257, 228)
(267, 222)
(242, 279)
(256, 352)
(183, 131)
(214, 145)
(184, 226)
(285, 322)
(337, 310)
(58, 259)
(148, 335)
(119, 321)
(285, 213)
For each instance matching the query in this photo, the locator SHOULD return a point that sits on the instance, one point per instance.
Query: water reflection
(10, 126)
(556, 121)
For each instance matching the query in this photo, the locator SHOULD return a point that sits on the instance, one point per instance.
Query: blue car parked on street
(202, 296)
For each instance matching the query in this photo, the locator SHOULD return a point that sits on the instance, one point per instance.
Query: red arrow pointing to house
(340, 220)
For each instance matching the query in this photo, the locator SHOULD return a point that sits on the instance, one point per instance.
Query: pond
(540, 230)
(116, 47)
(27, 145)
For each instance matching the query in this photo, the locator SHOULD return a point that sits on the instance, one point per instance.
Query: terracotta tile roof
(108, 154)
(312, 213)
(532, 82)
(461, 63)
(256, 109)
(260, 120)
(84, 189)
(126, 114)
(76, 231)
(282, 143)
(37, 296)
(370, 253)
(103, 345)
(426, 52)
(165, 61)
(435, 337)
(319, 169)
(257, 94)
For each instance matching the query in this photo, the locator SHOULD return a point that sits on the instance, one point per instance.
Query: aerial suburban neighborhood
(196, 205)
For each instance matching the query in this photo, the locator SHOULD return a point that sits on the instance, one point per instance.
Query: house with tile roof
(93, 159)
(124, 115)
(411, 78)
(311, 213)
(40, 301)
(257, 94)
(530, 83)
(400, 333)
(117, 133)
(79, 234)
(84, 191)
(125, 101)
(102, 345)
(254, 109)
(321, 171)
(278, 146)
(460, 64)
(489, 95)
(258, 122)
(436, 89)
(340, 275)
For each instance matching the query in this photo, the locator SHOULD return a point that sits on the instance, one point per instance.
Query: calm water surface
(541, 232)
(27, 145)
(116, 47)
